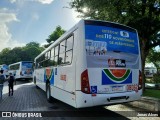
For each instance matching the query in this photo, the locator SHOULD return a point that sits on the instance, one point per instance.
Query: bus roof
(91, 22)
(109, 24)
(20, 62)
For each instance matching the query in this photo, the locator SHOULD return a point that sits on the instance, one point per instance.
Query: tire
(34, 80)
(37, 87)
(48, 93)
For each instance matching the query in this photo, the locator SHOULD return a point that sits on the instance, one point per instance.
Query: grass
(152, 93)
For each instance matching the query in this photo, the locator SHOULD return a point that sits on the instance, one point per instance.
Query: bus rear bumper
(89, 100)
(26, 77)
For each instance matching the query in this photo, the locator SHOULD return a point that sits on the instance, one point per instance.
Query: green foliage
(143, 15)
(153, 57)
(152, 93)
(156, 78)
(139, 14)
(55, 34)
(27, 53)
(33, 44)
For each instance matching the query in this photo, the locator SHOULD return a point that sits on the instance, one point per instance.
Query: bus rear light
(85, 87)
(94, 95)
(140, 81)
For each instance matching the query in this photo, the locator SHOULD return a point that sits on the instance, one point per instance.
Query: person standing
(2, 79)
(10, 84)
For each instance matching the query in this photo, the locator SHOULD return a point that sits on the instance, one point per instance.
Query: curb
(147, 103)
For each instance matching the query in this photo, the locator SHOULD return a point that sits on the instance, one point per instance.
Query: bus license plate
(117, 88)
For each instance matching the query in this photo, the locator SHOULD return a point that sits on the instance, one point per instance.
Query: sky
(24, 21)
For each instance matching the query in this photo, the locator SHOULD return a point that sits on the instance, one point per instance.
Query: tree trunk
(144, 53)
(143, 75)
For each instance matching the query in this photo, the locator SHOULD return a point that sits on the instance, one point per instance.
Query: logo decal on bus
(132, 87)
(116, 76)
(124, 34)
(93, 89)
(48, 75)
(116, 63)
(63, 77)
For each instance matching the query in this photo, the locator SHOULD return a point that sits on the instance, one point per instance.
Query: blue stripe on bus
(51, 79)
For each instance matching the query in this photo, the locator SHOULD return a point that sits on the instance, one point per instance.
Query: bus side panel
(80, 53)
(64, 80)
(63, 96)
(39, 73)
(82, 99)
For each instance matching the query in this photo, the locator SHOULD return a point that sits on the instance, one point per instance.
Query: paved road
(27, 98)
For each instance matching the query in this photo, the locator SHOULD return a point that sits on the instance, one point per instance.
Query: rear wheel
(48, 92)
(34, 80)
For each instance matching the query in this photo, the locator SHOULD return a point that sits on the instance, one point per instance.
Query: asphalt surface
(28, 102)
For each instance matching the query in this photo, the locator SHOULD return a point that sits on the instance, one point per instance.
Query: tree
(31, 50)
(153, 57)
(26, 53)
(31, 53)
(3, 56)
(55, 35)
(31, 44)
(143, 15)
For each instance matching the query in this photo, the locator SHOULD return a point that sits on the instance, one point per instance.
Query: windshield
(27, 65)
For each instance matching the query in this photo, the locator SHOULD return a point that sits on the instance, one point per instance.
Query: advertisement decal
(116, 76)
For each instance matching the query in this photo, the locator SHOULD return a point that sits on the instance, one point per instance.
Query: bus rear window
(102, 39)
(105, 43)
(26, 65)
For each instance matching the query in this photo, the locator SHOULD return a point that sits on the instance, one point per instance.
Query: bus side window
(56, 54)
(62, 52)
(69, 50)
(68, 57)
(52, 62)
(69, 44)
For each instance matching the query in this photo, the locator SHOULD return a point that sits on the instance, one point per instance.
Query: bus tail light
(140, 81)
(85, 87)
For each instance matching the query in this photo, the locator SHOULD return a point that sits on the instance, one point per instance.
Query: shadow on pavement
(27, 98)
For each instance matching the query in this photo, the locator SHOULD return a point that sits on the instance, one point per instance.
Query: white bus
(5, 69)
(94, 63)
(22, 69)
